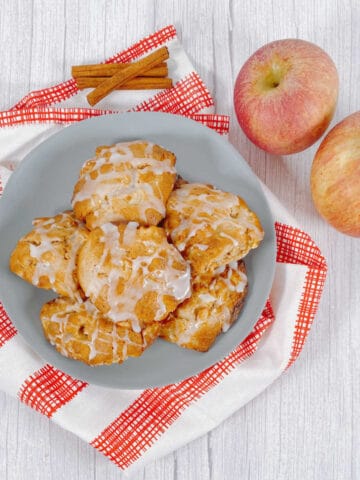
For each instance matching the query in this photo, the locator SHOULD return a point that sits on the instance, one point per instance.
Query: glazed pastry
(125, 182)
(214, 305)
(123, 280)
(211, 228)
(132, 273)
(47, 255)
(79, 331)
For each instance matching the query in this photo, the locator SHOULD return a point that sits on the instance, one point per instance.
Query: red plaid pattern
(48, 389)
(219, 123)
(314, 285)
(7, 329)
(64, 116)
(48, 96)
(145, 45)
(138, 427)
(187, 97)
(11, 118)
(295, 246)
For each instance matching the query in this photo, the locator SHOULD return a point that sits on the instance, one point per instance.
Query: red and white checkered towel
(133, 427)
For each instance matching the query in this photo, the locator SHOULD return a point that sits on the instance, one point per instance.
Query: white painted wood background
(307, 424)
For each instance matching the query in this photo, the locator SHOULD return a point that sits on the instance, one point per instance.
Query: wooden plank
(307, 424)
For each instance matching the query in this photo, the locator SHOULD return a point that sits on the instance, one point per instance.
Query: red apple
(335, 176)
(285, 95)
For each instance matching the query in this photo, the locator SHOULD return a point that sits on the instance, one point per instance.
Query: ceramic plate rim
(133, 119)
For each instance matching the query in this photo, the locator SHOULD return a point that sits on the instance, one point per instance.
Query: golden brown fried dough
(214, 305)
(125, 182)
(132, 273)
(210, 227)
(79, 331)
(47, 256)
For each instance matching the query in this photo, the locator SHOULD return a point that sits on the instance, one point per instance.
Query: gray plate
(42, 186)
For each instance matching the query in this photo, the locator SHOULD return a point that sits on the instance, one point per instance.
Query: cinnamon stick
(128, 73)
(138, 83)
(109, 69)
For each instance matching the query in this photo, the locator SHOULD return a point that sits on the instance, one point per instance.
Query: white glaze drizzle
(199, 211)
(130, 233)
(220, 270)
(167, 281)
(206, 297)
(225, 318)
(228, 279)
(44, 268)
(114, 339)
(125, 183)
(212, 301)
(181, 246)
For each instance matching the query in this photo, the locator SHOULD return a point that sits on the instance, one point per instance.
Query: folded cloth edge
(128, 456)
